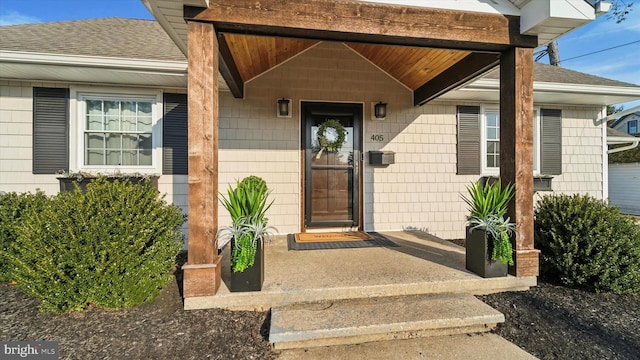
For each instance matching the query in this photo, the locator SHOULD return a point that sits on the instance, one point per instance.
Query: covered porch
(428, 51)
(416, 264)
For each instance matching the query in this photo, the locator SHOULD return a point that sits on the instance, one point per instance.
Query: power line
(603, 50)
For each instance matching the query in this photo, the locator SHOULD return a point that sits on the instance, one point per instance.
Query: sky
(621, 63)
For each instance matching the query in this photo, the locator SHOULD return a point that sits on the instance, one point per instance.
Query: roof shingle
(108, 37)
(145, 39)
(556, 74)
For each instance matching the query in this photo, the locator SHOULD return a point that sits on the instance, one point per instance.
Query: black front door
(331, 166)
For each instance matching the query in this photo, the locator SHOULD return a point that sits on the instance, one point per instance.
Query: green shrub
(587, 244)
(12, 207)
(112, 246)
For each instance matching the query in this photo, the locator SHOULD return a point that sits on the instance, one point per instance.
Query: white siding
(624, 187)
(16, 133)
(421, 190)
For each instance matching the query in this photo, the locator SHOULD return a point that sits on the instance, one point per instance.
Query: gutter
(616, 140)
(493, 84)
(165, 66)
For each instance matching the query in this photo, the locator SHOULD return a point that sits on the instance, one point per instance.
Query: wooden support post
(516, 152)
(202, 276)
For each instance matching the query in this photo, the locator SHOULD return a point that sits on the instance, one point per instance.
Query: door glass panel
(332, 174)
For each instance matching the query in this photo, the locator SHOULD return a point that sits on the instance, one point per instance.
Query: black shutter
(50, 130)
(468, 140)
(174, 135)
(551, 133)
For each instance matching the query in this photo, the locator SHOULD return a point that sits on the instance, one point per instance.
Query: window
(117, 131)
(492, 138)
(490, 147)
(632, 127)
(475, 133)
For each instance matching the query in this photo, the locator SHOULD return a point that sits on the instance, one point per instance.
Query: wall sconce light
(380, 110)
(284, 107)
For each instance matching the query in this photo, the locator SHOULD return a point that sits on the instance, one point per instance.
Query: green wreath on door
(331, 136)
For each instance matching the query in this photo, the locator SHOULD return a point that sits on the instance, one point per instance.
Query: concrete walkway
(477, 347)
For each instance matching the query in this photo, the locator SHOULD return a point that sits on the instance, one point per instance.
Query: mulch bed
(160, 330)
(554, 322)
(549, 321)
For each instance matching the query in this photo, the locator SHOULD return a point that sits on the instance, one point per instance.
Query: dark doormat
(377, 241)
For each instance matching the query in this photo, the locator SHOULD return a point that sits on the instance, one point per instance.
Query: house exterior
(628, 124)
(125, 102)
(624, 164)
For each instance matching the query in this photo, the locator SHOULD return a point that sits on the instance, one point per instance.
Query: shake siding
(421, 190)
(582, 153)
(16, 133)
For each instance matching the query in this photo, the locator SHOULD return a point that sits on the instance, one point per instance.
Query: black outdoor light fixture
(380, 110)
(283, 107)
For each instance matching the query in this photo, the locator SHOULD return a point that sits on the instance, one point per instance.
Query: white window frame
(78, 128)
(537, 138)
(629, 126)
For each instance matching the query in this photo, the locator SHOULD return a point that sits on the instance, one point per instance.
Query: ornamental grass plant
(247, 204)
(487, 210)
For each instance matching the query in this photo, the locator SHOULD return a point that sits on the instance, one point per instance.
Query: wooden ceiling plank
(354, 21)
(461, 72)
(254, 55)
(411, 66)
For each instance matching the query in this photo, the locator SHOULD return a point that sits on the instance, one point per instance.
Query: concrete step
(483, 346)
(358, 321)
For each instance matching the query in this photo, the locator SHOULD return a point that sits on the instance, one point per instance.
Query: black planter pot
(250, 279)
(68, 184)
(479, 245)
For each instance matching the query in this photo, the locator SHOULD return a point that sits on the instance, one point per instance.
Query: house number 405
(377, 137)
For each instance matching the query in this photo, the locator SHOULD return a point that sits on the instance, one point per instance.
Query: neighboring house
(624, 170)
(628, 124)
(115, 99)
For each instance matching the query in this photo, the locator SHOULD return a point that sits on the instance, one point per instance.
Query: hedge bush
(12, 208)
(111, 246)
(587, 244)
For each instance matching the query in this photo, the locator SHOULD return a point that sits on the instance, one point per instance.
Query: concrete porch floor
(420, 264)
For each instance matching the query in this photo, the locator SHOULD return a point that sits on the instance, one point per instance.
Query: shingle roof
(145, 39)
(618, 133)
(108, 37)
(555, 74)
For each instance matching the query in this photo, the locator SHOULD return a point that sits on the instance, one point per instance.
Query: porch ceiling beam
(229, 69)
(355, 21)
(470, 67)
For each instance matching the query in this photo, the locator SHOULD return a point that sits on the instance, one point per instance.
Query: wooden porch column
(202, 271)
(516, 152)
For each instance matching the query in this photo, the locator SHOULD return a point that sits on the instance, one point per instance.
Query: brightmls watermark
(35, 350)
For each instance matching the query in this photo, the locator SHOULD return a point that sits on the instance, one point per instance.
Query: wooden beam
(229, 69)
(470, 67)
(516, 152)
(202, 276)
(364, 22)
